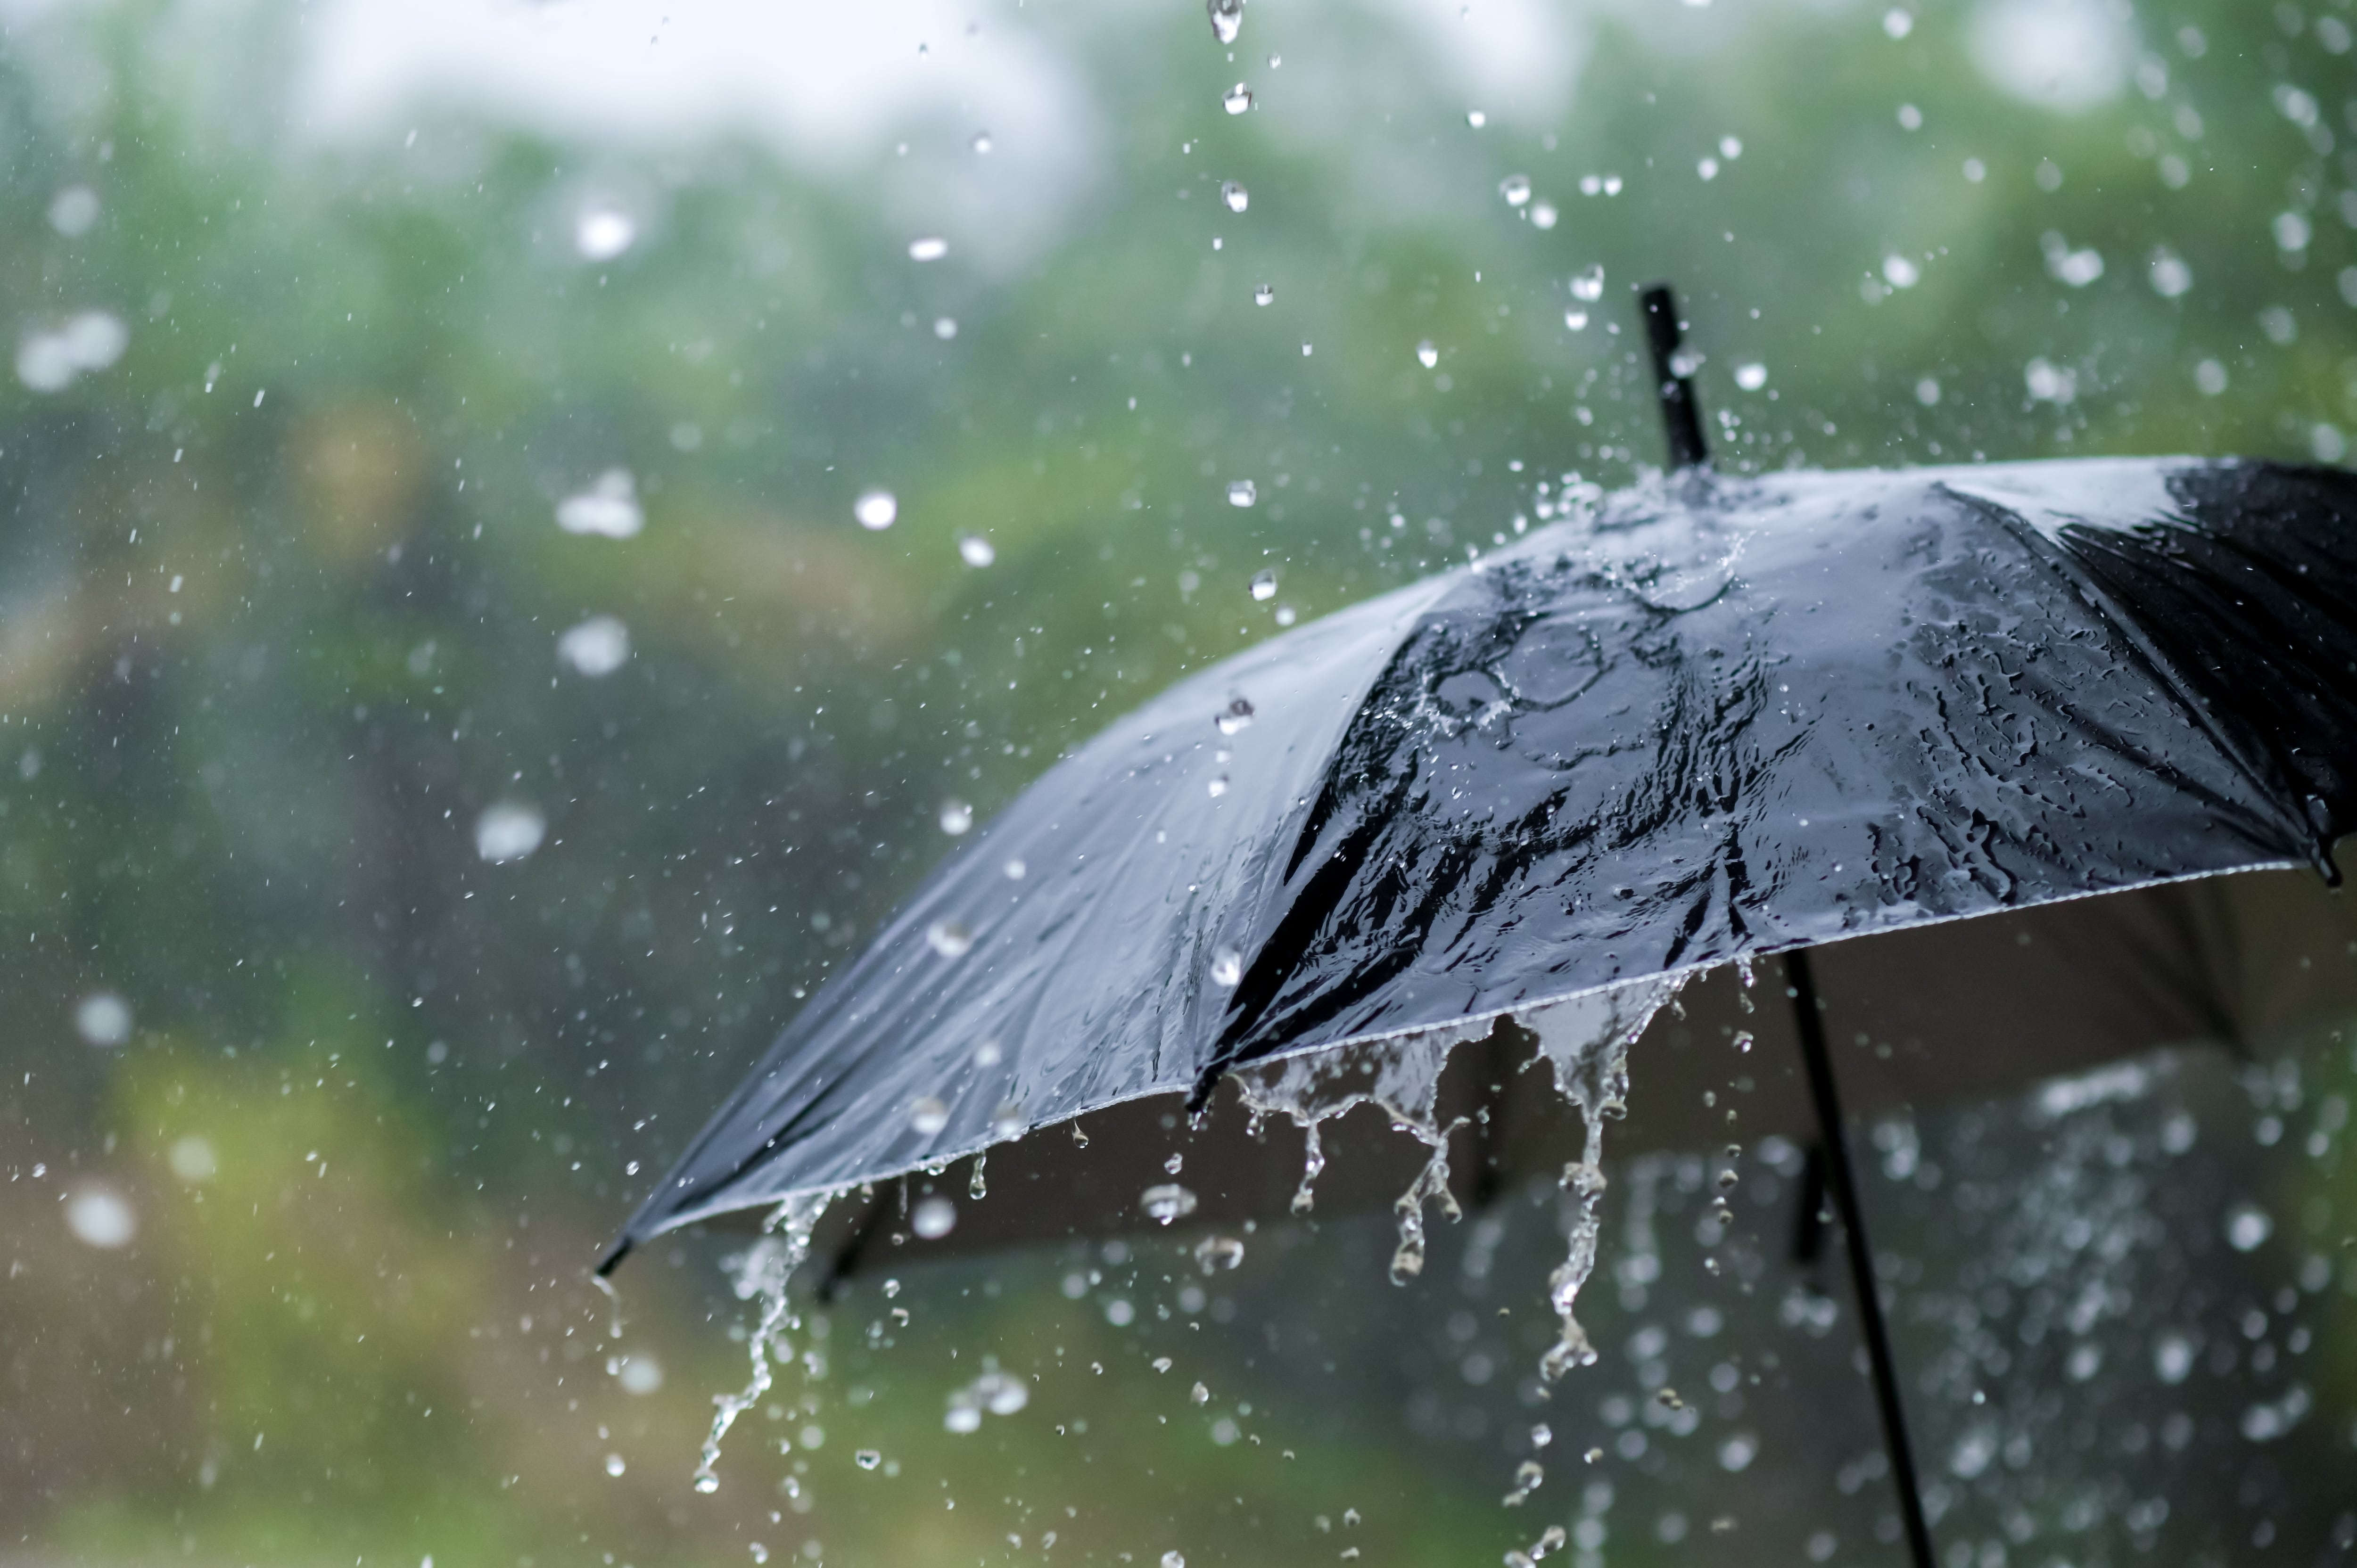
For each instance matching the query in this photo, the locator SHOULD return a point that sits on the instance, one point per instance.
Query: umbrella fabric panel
(1814, 709)
(1063, 959)
(1713, 720)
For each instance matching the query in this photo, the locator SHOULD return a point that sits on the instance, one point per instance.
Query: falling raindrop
(74, 211)
(2247, 1226)
(509, 831)
(602, 232)
(933, 1219)
(1265, 295)
(928, 1116)
(1543, 215)
(1751, 377)
(1515, 189)
(1475, 118)
(1238, 99)
(951, 938)
(1900, 273)
(1264, 585)
(945, 328)
(1167, 1202)
(1015, 869)
(1427, 355)
(1214, 1254)
(867, 1459)
(98, 1218)
(2170, 275)
(976, 550)
(1234, 196)
(1241, 492)
(1588, 285)
(608, 509)
(876, 509)
(1173, 1560)
(595, 646)
(1227, 968)
(982, 143)
(103, 1018)
(929, 248)
(957, 817)
(1227, 18)
(1237, 716)
(614, 1465)
(1219, 786)
(1575, 319)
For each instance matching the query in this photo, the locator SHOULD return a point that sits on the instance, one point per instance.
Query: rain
(1032, 711)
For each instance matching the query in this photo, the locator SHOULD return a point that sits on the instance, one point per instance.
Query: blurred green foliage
(280, 591)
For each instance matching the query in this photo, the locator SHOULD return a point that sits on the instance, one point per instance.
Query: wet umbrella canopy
(1701, 721)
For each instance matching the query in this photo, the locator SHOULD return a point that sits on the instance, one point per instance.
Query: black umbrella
(1688, 726)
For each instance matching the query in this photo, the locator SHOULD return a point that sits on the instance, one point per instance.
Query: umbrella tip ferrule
(1673, 377)
(613, 1258)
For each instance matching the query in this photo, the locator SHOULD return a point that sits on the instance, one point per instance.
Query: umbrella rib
(1841, 1180)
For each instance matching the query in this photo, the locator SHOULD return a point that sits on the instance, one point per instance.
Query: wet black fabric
(1708, 720)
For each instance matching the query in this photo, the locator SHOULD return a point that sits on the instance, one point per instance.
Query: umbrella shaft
(1842, 1182)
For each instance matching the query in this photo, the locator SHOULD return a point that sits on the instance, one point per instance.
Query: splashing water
(1401, 1077)
(762, 1275)
(1227, 18)
(1586, 1041)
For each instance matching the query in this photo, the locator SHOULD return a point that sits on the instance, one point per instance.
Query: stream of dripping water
(766, 1272)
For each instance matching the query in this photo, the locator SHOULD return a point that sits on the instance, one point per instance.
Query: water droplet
(1016, 869)
(98, 1218)
(1543, 215)
(48, 362)
(951, 938)
(867, 1459)
(1900, 273)
(74, 211)
(1241, 492)
(1227, 968)
(956, 817)
(1730, 146)
(614, 1465)
(640, 1374)
(1896, 24)
(1172, 1559)
(876, 509)
(1215, 1254)
(508, 831)
(928, 1116)
(1235, 194)
(1167, 1202)
(1542, 1434)
(1475, 118)
(1006, 1122)
(1588, 285)
(598, 646)
(2248, 1225)
(1219, 786)
(1238, 99)
(192, 1159)
(1264, 586)
(1237, 716)
(1227, 18)
(104, 1019)
(1686, 363)
(608, 509)
(944, 327)
(933, 1219)
(1286, 614)
(2170, 275)
(1265, 295)
(1161, 1363)
(1575, 319)
(1515, 189)
(1528, 1476)
(1427, 355)
(930, 248)
(707, 1484)
(1742, 1040)
(601, 233)
(987, 1054)
(982, 143)
(976, 550)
